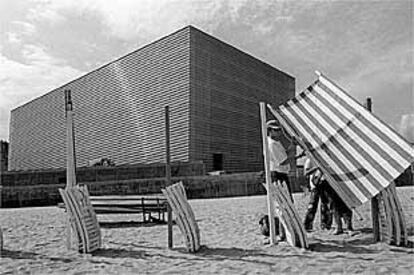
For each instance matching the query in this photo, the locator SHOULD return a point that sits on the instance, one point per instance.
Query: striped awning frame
(359, 154)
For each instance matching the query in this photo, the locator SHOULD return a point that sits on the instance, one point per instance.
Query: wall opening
(218, 162)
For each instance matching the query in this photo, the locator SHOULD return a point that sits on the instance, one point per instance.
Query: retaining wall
(40, 187)
(196, 186)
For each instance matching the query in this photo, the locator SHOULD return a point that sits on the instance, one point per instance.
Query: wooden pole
(374, 200)
(266, 160)
(70, 142)
(70, 159)
(168, 173)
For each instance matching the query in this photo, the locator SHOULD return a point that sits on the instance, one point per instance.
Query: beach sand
(34, 243)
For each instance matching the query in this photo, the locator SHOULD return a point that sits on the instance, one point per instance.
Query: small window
(217, 162)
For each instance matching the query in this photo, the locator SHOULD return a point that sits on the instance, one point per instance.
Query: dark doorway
(217, 162)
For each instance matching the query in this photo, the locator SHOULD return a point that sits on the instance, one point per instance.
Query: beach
(35, 243)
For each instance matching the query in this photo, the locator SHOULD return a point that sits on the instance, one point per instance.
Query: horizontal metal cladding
(226, 88)
(119, 111)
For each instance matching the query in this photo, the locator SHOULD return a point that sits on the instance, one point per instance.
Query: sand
(34, 243)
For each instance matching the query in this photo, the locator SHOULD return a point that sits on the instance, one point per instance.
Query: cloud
(364, 47)
(388, 80)
(13, 37)
(22, 81)
(24, 27)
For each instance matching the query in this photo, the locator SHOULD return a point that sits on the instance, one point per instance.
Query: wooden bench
(132, 204)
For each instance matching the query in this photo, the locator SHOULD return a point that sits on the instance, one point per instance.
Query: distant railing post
(168, 173)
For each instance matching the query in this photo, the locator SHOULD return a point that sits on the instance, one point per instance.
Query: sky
(367, 47)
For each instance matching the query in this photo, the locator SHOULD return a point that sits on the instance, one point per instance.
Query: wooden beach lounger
(82, 218)
(288, 216)
(177, 198)
(393, 228)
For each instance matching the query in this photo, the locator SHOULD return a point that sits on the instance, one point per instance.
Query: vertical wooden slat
(266, 157)
(70, 142)
(400, 212)
(70, 161)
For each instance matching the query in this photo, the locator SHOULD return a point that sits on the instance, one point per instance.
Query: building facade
(213, 91)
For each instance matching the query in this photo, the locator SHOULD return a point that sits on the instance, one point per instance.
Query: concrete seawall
(197, 187)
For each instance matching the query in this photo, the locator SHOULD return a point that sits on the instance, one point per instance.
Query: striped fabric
(359, 154)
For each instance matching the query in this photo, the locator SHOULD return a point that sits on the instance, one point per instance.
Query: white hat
(272, 124)
(309, 167)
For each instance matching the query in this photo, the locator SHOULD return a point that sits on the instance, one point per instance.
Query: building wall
(226, 88)
(213, 91)
(119, 111)
(4, 151)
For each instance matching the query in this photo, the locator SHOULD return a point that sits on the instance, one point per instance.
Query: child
(265, 226)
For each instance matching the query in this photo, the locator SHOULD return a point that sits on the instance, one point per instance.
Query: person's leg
(311, 211)
(326, 206)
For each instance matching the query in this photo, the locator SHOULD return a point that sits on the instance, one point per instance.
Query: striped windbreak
(359, 154)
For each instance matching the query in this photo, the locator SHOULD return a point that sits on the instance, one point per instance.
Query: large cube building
(213, 91)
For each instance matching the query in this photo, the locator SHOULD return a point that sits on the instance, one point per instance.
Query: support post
(266, 160)
(70, 142)
(168, 173)
(374, 200)
(70, 159)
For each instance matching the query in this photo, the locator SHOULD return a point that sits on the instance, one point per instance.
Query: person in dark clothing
(319, 190)
(340, 211)
(331, 203)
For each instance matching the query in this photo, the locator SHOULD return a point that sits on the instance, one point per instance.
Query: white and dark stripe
(360, 154)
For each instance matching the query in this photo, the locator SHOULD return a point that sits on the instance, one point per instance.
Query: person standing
(340, 211)
(319, 189)
(332, 206)
(279, 162)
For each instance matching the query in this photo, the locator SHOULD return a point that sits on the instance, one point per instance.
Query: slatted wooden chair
(288, 216)
(393, 228)
(177, 198)
(83, 220)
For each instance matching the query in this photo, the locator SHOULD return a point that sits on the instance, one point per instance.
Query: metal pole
(266, 158)
(168, 173)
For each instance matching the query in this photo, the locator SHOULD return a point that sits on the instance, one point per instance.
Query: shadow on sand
(129, 224)
(119, 253)
(24, 255)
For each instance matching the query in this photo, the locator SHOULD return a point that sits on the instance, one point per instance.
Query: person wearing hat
(279, 161)
(332, 205)
(319, 190)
